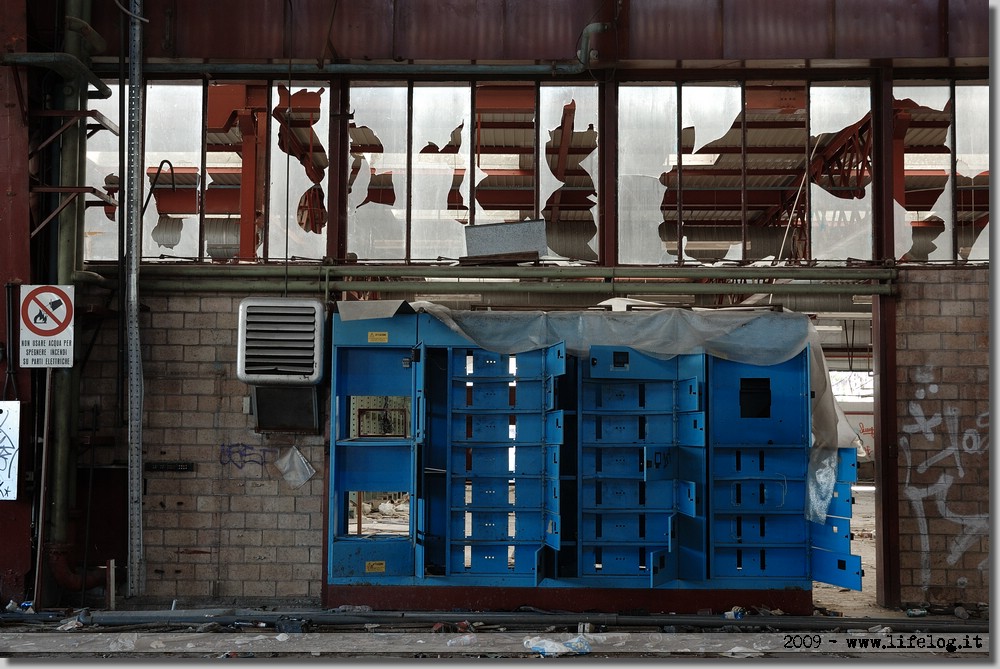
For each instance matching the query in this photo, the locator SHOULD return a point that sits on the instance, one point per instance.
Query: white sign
(10, 421)
(46, 326)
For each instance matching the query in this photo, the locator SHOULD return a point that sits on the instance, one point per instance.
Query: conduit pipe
(617, 288)
(310, 69)
(523, 273)
(70, 231)
(134, 184)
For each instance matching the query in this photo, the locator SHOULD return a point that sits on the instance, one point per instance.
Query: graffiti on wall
(10, 421)
(244, 455)
(957, 445)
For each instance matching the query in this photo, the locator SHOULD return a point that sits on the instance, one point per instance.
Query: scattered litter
(916, 613)
(210, 627)
(614, 638)
(353, 608)
(464, 640)
(70, 624)
(960, 612)
(292, 625)
(12, 606)
(578, 645)
(736, 613)
(880, 629)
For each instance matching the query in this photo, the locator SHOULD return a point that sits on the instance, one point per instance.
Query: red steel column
(15, 267)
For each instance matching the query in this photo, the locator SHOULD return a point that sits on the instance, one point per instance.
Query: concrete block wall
(943, 421)
(233, 529)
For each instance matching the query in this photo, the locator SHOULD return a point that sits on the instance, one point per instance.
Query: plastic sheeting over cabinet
(568, 465)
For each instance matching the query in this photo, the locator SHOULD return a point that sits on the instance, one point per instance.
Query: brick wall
(233, 528)
(943, 341)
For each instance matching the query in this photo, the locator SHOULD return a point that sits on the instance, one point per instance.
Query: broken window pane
(173, 132)
(776, 156)
(100, 233)
(841, 169)
(923, 226)
(505, 153)
(972, 160)
(300, 124)
(440, 206)
(711, 143)
(647, 147)
(376, 208)
(568, 179)
(236, 165)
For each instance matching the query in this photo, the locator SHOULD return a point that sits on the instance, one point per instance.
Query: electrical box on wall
(280, 341)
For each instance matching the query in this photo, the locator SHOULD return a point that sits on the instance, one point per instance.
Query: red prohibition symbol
(45, 302)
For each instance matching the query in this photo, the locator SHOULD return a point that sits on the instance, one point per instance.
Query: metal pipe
(543, 272)
(473, 287)
(136, 565)
(43, 491)
(311, 69)
(583, 46)
(68, 235)
(67, 65)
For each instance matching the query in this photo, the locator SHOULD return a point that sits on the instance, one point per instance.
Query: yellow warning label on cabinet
(378, 337)
(375, 567)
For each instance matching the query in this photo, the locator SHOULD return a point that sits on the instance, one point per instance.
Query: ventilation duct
(280, 341)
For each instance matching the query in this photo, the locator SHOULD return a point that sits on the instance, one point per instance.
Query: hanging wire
(288, 155)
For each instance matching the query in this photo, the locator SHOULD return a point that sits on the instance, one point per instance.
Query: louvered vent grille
(280, 341)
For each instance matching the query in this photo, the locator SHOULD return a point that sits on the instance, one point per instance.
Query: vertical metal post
(136, 566)
(887, 562)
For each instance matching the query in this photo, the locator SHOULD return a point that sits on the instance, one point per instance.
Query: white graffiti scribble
(956, 443)
(8, 457)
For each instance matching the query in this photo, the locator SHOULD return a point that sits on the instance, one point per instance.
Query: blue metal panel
(355, 366)
(369, 560)
(603, 428)
(841, 501)
(607, 362)
(688, 395)
(659, 463)
(847, 465)
(691, 429)
(753, 404)
(760, 562)
(622, 462)
(400, 330)
(761, 529)
(833, 535)
(686, 496)
(362, 466)
(630, 397)
(836, 568)
(745, 462)
(759, 495)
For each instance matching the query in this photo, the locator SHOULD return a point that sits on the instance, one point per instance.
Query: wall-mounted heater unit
(280, 341)
(280, 354)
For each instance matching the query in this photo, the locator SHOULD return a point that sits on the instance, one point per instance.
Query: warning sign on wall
(46, 326)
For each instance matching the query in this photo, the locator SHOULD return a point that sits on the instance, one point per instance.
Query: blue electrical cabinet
(454, 465)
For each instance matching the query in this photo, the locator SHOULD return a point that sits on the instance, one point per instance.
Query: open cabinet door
(418, 419)
(555, 365)
(830, 555)
(692, 472)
